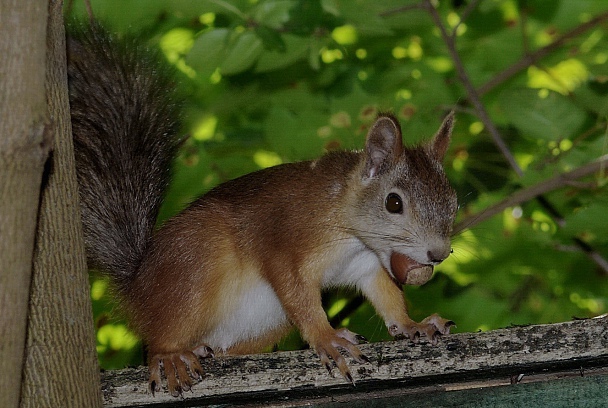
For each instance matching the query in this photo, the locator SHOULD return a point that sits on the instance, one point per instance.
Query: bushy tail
(124, 122)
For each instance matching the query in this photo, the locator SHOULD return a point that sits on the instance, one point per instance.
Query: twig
(531, 59)
(471, 91)
(402, 9)
(534, 191)
(465, 14)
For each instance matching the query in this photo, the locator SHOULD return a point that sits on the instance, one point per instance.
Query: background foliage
(266, 82)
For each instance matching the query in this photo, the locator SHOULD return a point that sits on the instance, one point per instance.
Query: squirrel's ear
(383, 146)
(441, 140)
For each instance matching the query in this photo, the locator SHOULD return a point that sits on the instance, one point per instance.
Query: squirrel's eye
(393, 203)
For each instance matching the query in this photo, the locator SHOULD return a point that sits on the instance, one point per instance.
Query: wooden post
(61, 368)
(24, 146)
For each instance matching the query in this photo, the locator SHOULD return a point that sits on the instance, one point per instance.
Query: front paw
(328, 348)
(180, 369)
(433, 327)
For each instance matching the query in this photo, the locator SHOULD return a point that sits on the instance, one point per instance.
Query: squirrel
(244, 263)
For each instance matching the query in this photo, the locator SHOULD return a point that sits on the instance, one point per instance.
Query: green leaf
(542, 10)
(229, 7)
(485, 22)
(553, 117)
(208, 51)
(314, 56)
(331, 7)
(294, 135)
(296, 48)
(118, 14)
(242, 53)
(271, 38)
(306, 17)
(273, 14)
(365, 17)
(594, 96)
(591, 220)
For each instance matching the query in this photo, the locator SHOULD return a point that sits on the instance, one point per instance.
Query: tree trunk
(61, 366)
(24, 148)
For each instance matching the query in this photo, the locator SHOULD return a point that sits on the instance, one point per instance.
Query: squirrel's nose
(435, 257)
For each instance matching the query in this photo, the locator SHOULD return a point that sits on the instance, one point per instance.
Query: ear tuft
(383, 146)
(441, 140)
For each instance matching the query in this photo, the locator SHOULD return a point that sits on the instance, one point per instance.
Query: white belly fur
(254, 309)
(257, 311)
(354, 266)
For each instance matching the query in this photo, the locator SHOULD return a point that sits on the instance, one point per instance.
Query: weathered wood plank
(459, 361)
(571, 392)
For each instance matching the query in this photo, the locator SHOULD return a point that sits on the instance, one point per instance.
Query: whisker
(473, 253)
(406, 239)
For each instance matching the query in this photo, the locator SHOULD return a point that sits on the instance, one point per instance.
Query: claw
(328, 349)
(448, 325)
(361, 339)
(153, 387)
(349, 377)
(442, 325)
(180, 370)
(154, 380)
(433, 327)
(349, 336)
(325, 361)
(171, 375)
(204, 351)
(190, 360)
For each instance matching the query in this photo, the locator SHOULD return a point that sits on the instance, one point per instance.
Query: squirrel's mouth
(406, 271)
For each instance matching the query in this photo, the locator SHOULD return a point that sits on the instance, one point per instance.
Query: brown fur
(243, 230)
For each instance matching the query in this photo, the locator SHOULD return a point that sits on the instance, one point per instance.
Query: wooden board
(461, 364)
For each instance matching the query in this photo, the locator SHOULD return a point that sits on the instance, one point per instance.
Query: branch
(471, 92)
(534, 191)
(532, 58)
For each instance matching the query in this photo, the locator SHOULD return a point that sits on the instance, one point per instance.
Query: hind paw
(181, 369)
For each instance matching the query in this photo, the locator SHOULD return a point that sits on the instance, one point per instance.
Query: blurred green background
(267, 82)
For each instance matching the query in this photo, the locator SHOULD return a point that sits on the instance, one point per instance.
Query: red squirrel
(241, 265)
